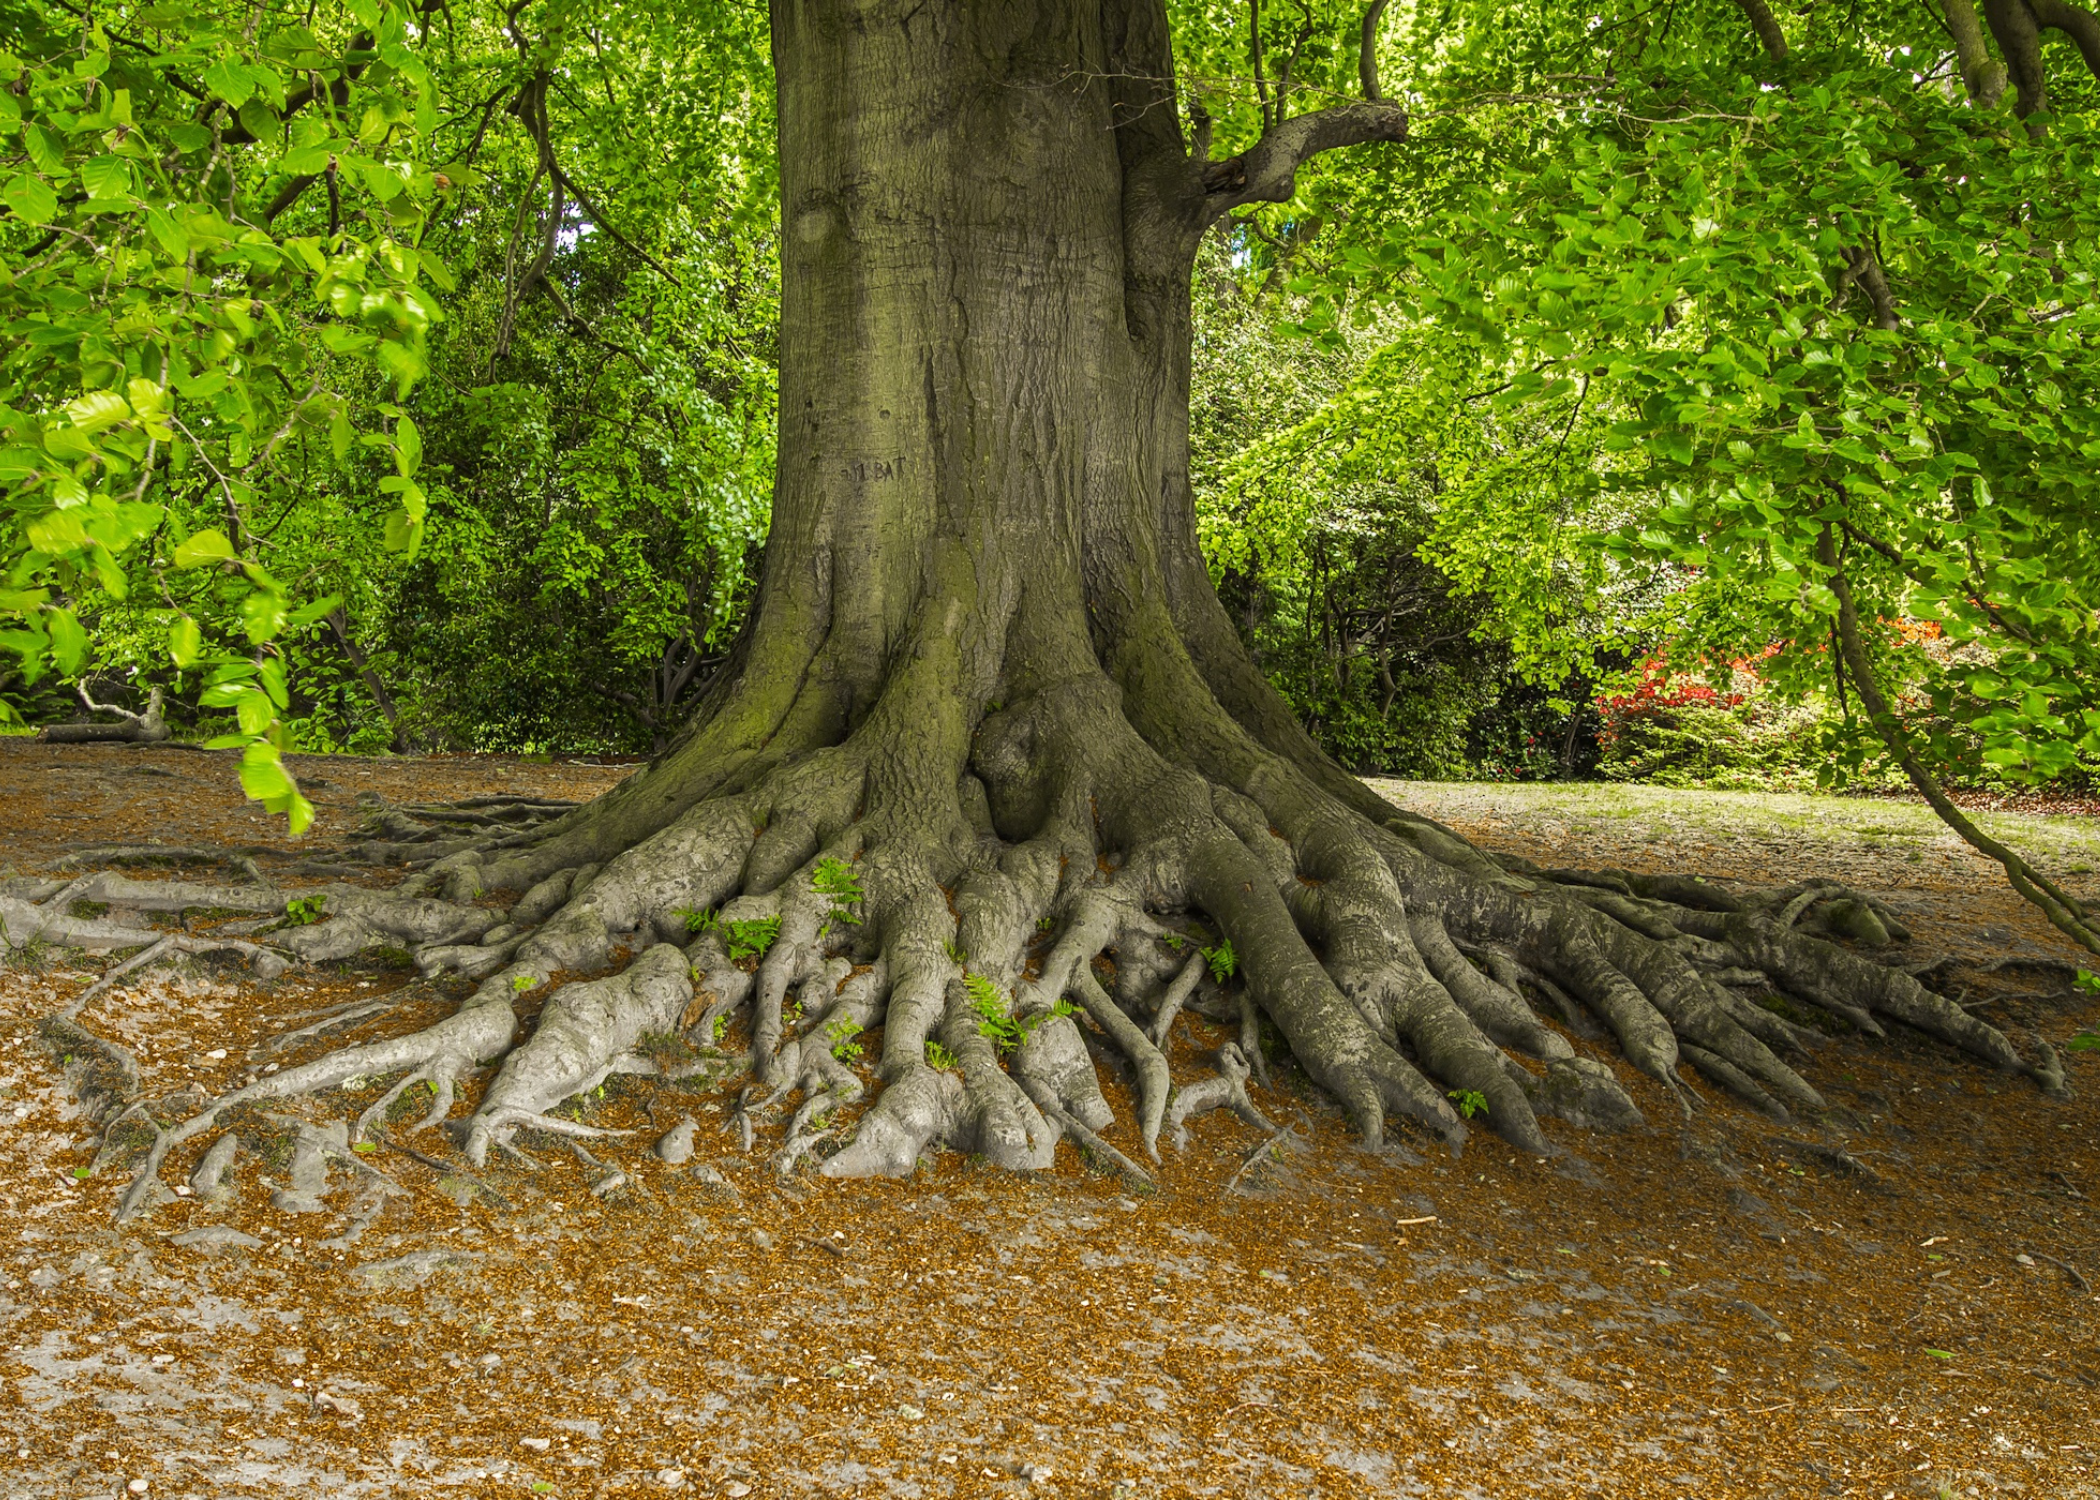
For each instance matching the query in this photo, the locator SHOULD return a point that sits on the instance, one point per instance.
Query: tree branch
(1266, 172)
(1981, 73)
(1367, 53)
(1766, 25)
(1261, 86)
(1866, 271)
(2075, 22)
(2064, 913)
(2013, 24)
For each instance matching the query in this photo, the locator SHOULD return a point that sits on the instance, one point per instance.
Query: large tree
(989, 750)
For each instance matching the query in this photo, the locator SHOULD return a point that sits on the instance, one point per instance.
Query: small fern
(750, 939)
(835, 878)
(1224, 963)
(995, 1024)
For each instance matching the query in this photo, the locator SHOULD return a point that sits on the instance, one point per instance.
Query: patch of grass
(216, 914)
(32, 957)
(410, 1102)
(938, 1056)
(128, 1142)
(664, 1048)
(87, 911)
(1815, 1018)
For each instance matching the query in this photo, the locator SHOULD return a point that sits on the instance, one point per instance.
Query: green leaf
(230, 81)
(46, 151)
(262, 615)
(106, 178)
(185, 641)
(408, 448)
(255, 713)
(203, 547)
(30, 199)
(263, 776)
(69, 642)
(97, 410)
(172, 237)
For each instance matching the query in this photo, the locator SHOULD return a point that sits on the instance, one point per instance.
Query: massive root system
(952, 966)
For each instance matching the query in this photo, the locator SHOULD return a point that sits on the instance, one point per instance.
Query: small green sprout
(995, 1024)
(1470, 1102)
(520, 983)
(696, 920)
(835, 878)
(955, 953)
(840, 1033)
(938, 1056)
(1224, 963)
(303, 911)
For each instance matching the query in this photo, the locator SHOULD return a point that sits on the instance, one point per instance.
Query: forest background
(386, 376)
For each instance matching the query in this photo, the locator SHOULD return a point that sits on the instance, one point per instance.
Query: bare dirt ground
(1897, 1301)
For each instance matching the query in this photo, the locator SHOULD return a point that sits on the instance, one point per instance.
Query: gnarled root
(1003, 906)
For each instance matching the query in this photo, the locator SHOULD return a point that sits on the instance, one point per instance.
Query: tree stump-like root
(978, 922)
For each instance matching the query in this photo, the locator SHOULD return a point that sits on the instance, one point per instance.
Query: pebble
(537, 1445)
(735, 1489)
(138, 1486)
(670, 1479)
(2023, 1260)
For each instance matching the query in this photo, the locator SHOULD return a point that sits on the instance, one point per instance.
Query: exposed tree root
(131, 728)
(978, 921)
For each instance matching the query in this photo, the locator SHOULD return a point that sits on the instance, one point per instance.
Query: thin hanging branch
(2064, 912)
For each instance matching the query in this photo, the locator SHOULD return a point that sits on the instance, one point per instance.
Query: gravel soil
(1895, 1301)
